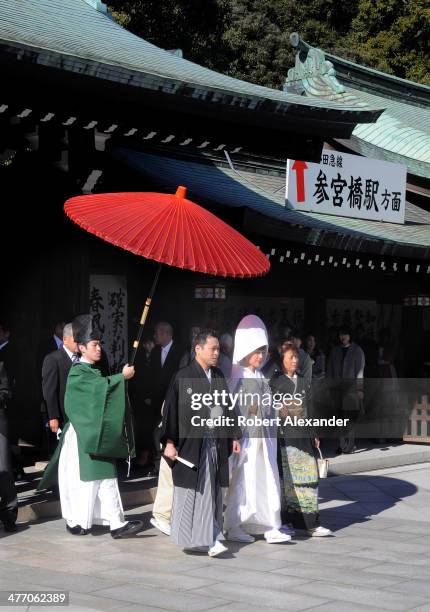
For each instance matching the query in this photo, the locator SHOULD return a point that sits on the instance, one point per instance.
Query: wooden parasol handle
(144, 316)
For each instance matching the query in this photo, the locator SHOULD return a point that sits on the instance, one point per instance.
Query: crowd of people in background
(279, 360)
(161, 357)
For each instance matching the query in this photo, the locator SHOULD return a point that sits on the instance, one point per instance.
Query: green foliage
(255, 42)
(257, 33)
(249, 39)
(191, 25)
(393, 36)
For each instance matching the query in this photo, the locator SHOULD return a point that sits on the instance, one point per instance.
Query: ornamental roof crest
(314, 76)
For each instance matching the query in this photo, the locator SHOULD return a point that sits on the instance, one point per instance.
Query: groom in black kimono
(197, 500)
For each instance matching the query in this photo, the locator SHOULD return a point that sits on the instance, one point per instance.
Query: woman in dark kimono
(299, 470)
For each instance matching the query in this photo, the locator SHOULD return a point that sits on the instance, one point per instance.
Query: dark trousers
(8, 497)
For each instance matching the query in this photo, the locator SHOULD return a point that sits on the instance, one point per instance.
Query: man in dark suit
(50, 341)
(55, 370)
(345, 369)
(8, 497)
(8, 354)
(13, 367)
(163, 364)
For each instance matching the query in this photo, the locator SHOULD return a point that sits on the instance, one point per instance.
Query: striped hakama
(197, 513)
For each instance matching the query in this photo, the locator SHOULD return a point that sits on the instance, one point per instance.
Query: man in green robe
(99, 431)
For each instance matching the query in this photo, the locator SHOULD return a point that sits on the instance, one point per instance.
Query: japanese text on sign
(348, 186)
(108, 305)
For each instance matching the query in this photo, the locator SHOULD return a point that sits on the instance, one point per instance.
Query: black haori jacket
(177, 427)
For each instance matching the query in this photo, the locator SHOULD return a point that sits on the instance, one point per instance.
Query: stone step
(140, 490)
(377, 457)
(34, 505)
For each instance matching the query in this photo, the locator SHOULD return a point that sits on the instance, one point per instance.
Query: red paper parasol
(169, 229)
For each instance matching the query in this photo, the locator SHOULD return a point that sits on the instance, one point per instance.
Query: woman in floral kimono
(299, 466)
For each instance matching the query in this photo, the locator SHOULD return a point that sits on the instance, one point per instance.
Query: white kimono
(253, 499)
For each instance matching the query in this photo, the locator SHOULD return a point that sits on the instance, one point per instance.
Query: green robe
(97, 408)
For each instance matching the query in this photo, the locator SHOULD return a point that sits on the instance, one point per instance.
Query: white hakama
(254, 496)
(96, 502)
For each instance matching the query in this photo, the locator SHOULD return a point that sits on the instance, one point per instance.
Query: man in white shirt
(165, 351)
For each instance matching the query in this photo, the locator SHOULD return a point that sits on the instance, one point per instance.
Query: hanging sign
(348, 186)
(108, 305)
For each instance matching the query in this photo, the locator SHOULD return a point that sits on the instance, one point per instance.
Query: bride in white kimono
(253, 499)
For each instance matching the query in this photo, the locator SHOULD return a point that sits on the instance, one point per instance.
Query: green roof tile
(74, 28)
(401, 133)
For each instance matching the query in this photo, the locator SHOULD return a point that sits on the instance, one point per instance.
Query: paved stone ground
(379, 559)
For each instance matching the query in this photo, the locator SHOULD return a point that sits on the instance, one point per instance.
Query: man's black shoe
(77, 530)
(129, 529)
(9, 525)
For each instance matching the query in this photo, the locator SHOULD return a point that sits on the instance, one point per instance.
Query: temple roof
(401, 134)
(263, 192)
(78, 36)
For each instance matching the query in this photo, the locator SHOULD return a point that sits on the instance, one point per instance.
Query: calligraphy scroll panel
(360, 316)
(108, 305)
(274, 311)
